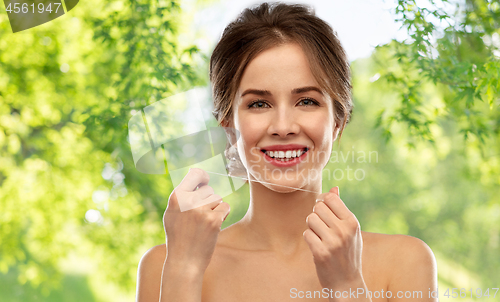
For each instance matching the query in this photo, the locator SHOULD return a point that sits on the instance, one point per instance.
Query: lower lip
(280, 163)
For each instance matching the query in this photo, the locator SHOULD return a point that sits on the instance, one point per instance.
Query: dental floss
(264, 182)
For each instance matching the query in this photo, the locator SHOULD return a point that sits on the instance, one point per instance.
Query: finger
(335, 190)
(173, 201)
(318, 226)
(321, 197)
(204, 192)
(210, 203)
(194, 178)
(312, 240)
(204, 205)
(324, 212)
(337, 206)
(223, 210)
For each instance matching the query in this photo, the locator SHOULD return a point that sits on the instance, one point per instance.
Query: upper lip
(283, 147)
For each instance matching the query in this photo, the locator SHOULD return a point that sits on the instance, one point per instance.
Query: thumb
(335, 190)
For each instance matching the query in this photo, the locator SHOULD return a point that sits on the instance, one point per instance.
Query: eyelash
(316, 103)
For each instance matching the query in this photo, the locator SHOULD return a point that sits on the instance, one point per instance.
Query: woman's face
(286, 122)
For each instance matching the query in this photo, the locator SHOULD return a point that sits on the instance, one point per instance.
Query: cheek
(320, 130)
(322, 136)
(250, 133)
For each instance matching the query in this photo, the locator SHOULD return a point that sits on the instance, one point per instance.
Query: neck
(276, 220)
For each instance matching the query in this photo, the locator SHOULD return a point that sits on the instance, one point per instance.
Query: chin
(284, 184)
(280, 189)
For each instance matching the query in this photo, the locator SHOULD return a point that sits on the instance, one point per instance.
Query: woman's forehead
(284, 67)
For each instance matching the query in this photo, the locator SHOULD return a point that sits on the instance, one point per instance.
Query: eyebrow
(268, 93)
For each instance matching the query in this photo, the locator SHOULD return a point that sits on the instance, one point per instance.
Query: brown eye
(308, 102)
(259, 104)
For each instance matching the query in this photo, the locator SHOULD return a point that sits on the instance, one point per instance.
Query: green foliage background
(428, 106)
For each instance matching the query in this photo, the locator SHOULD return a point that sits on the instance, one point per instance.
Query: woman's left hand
(334, 238)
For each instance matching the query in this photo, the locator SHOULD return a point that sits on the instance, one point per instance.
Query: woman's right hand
(191, 235)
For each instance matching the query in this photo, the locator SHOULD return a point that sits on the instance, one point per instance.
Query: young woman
(281, 78)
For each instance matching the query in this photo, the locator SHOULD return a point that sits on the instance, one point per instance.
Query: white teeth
(285, 155)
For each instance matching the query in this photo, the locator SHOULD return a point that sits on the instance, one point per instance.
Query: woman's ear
(227, 123)
(231, 133)
(336, 130)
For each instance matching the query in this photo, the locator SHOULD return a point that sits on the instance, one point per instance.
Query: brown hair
(272, 24)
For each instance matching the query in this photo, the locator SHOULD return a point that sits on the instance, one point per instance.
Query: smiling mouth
(285, 155)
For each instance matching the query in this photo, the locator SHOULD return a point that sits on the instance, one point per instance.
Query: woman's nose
(283, 122)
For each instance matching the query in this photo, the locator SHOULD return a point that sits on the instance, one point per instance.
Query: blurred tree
(439, 95)
(435, 192)
(456, 46)
(67, 90)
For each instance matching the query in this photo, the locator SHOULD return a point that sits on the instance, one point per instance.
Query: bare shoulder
(410, 261)
(396, 243)
(156, 251)
(401, 249)
(149, 273)
(152, 257)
